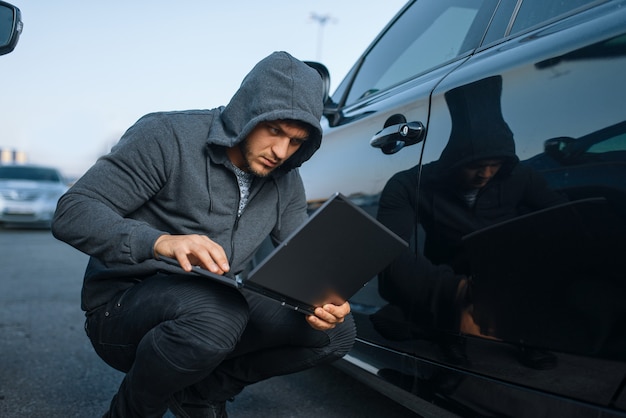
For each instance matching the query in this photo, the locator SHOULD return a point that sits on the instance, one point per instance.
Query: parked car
(10, 27)
(553, 75)
(29, 194)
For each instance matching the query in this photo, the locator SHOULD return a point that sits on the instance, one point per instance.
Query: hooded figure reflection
(477, 181)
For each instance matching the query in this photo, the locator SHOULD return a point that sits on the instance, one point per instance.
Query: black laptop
(336, 252)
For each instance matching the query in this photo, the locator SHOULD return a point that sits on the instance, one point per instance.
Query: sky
(84, 70)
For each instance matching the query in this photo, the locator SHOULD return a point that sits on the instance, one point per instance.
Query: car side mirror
(325, 74)
(331, 110)
(10, 27)
(557, 147)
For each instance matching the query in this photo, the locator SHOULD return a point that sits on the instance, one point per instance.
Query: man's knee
(205, 333)
(342, 337)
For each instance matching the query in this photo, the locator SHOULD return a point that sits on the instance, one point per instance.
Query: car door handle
(397, 134)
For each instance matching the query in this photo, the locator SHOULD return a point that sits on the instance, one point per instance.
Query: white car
(29, 194)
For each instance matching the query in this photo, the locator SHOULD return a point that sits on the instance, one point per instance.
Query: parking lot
(49, 369)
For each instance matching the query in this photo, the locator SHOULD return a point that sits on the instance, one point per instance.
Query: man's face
(268, 146)
(477, 174)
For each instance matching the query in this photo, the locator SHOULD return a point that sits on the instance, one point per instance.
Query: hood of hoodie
(479, 130)
(278, 87)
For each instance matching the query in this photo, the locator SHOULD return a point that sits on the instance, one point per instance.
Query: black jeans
(172, 332)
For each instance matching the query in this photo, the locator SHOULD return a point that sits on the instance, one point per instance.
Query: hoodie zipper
(253, 193)
(232, 237)
(237, 218)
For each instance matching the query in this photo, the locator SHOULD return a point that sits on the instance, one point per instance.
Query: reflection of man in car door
(477, 181)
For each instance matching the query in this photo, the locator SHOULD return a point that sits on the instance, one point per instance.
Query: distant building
(11, 156)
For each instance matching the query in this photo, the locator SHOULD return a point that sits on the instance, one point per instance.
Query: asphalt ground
(48, 368)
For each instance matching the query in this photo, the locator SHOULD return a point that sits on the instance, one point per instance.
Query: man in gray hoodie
(205, 187)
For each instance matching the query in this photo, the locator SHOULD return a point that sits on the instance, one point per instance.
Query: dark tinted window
(534, 12)
(500, 23)
(428, 34)
(29, 173)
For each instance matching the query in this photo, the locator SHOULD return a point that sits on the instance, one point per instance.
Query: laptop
(336, 252)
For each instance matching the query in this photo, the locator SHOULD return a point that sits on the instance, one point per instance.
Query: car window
(617, 143)
(605, 145)
(534, 12)
(29, 173)
(426, 35)
(500, 22)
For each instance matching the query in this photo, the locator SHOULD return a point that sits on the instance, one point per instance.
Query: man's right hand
(193, 250)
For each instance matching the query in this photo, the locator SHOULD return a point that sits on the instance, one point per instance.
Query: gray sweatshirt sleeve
(96, 215)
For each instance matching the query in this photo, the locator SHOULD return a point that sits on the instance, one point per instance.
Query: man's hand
(193, 250)
(328, 316)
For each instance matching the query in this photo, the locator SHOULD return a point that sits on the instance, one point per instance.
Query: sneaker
(183, 406)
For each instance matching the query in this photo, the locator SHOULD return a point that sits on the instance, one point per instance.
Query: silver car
(29, 194)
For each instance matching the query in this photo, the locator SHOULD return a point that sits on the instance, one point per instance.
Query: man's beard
(245, 152)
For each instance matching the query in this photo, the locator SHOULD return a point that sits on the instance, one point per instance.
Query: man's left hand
(328, 316)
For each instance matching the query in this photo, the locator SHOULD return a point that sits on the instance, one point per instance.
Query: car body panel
(29, 194)
(562, 96)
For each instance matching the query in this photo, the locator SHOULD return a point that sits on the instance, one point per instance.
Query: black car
(538, 327)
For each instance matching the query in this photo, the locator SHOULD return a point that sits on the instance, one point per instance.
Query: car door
(554, 79)
(394, 76)
(390, 86)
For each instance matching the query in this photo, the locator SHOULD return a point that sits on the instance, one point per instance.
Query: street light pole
(322, 20)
